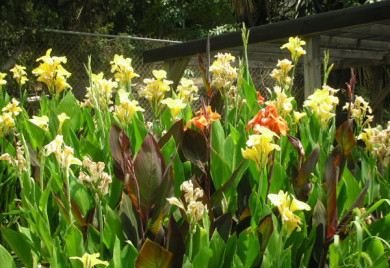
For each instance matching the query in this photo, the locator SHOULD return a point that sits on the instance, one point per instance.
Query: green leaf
(74, 242)
(219, 169)
(129, 254)
(152, 255)
(251, 97)
(248, 248)
(230, 252)
(375, 249)
(138, 134)
(112, 229)
(69, 106)
(218, 137)
(234, 179)
(273, 250)
(20, 244)
(36, 135)
(6, 258)
(217, 247)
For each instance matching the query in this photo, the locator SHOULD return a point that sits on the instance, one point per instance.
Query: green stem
(41, 171)
(68, 197)
(100, 208)
(292, 77)
(226, 114)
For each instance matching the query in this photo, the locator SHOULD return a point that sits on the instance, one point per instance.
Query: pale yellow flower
(18, 162)
(19, 74)
(281, 74)
(259, 146)
(63, 153)
(62, 117)
(195, 208)
(286, 208)
(99, 96)
(282, 103)
(96, 176)
(2, 80)
(126, 108)
(187, 91)
(377, 141)
(90, 260)
(174, 105)
(12, 108)
(122, 69)
(323, 104)
(6, 123)
(360, 110)
(155, 89)
(298, 116)
(223, 73)
(294, 45)
(40, 121)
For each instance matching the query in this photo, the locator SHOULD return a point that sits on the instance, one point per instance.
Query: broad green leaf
(129, 254)
(230, 252)
(218, 137)
(36, 135)
(20, 244)
(248, 248)
(375, 249)
(219, 170)
(138, 134)
(6, 259)
(69, 105)
(152, 255)
(112, 229)
(217, 247)
(74, 243)
(273, 250)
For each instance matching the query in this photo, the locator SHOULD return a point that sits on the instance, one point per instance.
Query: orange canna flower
(204, 118)
(269, 118)
(260, 99)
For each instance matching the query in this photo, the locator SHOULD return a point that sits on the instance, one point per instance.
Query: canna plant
(243, 182)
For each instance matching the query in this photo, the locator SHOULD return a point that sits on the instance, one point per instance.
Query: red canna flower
(269, 118)
(204, 118)
(260, 99)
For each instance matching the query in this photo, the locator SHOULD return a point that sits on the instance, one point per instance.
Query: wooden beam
(331, 42)
(175, 70)
(312, 65)
(309, 25)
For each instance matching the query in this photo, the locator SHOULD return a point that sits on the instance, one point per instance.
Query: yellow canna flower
(155, 89)
(175, 105)
(259, 146)
(99, 96)
(90, 260)
(41, 121)
(123, 70)
(223, 73)
(187, 90)
(18, 162)
(298, 116)
(360, 110)
(322, 103)
(294, 45)
(286, 208)
(6, 123)
(63, 153)
(62, 117)
(126, 108)
(12, 108)
(2, 80)
(195, 208)
(52, 73)
(19, 74)
(282, 103)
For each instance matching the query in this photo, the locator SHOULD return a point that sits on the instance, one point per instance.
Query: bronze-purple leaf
(153, 255)
(119, 146)
(345, 138)
(301, 183)
(149, 167)
(330, 176)
(195, 148)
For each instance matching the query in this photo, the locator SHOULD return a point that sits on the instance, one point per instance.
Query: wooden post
(175, 70)
(379, 93)
(312, 65)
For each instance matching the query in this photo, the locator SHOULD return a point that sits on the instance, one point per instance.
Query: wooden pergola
(357, 36)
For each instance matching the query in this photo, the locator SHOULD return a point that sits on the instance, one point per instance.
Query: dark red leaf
(195, 148)
(330, 176)
(153, 255)
(345, 137)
